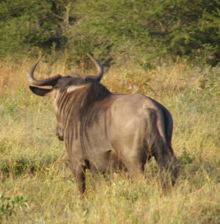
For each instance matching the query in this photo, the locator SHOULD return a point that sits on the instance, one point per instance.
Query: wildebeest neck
(93, 93)
(75, 104)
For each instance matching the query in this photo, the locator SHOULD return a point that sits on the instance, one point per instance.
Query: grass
(37, 186)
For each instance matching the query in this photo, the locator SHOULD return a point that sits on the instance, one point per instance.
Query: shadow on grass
(30, 166)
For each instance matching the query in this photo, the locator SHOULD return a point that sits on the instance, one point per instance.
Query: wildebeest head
(65, 85)
(59, 82)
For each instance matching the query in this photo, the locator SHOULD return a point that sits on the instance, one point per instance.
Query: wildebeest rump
(105, 131)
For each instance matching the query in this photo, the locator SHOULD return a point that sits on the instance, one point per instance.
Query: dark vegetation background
(141, 31)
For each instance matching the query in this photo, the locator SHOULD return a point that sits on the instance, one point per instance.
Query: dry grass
(33, 163)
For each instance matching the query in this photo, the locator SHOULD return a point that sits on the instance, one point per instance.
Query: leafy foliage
(8, 205)
(140, 30)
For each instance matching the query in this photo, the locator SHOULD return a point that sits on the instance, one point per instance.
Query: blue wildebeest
(103, 131)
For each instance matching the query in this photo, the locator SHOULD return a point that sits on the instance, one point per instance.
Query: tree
(137, 30)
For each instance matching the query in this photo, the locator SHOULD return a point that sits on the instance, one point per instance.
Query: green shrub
(10, 205)
(141, 31)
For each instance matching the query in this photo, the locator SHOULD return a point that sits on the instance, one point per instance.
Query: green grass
(36, 185)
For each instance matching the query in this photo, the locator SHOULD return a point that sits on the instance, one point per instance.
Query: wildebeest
(103, 131)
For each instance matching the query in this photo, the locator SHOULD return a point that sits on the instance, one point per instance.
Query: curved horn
(45, 82)
(98, 66)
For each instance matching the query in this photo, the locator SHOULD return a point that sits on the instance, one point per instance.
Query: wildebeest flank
(105, 131)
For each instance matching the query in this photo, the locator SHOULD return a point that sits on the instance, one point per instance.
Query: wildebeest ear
(40, 91)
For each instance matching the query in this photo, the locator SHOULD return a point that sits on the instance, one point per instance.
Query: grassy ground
(36, 186)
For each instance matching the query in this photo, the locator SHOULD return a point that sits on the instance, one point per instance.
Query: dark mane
(79, 109)
(95, 92)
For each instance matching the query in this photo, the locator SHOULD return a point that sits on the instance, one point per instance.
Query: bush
(10, 205)
(138, 30)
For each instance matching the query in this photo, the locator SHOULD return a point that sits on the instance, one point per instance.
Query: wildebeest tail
(158, 144)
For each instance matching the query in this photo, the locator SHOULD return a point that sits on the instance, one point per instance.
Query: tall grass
(37, 186)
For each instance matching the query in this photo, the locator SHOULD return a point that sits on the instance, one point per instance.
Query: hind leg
(167, 163)
(135, 165)
(136, 172)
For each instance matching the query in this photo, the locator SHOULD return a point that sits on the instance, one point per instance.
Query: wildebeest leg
(79, 174)
(135, 166)
(167, 163)
(80, 179)
(135, 172)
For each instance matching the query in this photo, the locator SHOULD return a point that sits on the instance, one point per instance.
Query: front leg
(76, 162)
(80, 179)
(78, 171)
